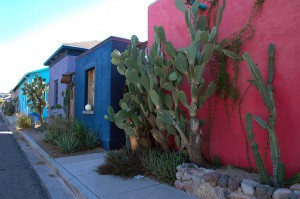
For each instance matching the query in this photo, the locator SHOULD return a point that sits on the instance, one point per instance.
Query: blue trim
(64, 47)
(27, 75)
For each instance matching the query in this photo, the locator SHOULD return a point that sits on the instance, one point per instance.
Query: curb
(79, 190)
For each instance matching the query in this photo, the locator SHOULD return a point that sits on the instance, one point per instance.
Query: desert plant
(50, 136)
(66, 94)
(59, 129)
(79, 128)
(154, 99)
(35, 93)
(266, 92)
(121, 163)
(68, 142)
(162, 165)
(23, 121)
(90, 140)
(9, 108)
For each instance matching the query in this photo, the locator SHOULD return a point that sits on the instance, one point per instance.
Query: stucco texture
(107, 92)
(63, 66)
(277, 24)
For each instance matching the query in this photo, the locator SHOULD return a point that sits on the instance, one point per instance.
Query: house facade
(62, 67)
(21, 100)
(99, 84)
(227, 135)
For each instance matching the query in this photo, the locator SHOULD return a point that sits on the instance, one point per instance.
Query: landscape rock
(178, 175)
(239, 195)
(178, 184)
(264, 191)
(248, 186)
(205, 191)
(208, 171)
(297, 194)
(197, 180)
(222, 193)
(184, 166)
(295, 187)
(223, 181)
(212, 178)
(188, 186)
(233, 183)
(284, 194)
(187, 175)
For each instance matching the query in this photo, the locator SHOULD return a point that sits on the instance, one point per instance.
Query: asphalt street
(18, 179)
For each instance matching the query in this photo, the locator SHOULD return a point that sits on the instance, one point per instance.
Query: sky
(32, 30)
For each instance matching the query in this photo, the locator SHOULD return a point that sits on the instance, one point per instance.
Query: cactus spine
(266, 92)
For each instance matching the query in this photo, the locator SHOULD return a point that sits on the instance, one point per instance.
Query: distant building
(20, 99)
(62, 67)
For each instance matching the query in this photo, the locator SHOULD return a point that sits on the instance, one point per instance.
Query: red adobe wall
(277, 23)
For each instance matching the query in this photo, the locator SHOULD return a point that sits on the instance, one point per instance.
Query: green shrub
(121, 163)
(59, 129)
(50, 137)
(90, 140)
(23, 121)
(68, 142)
(162, 165)
(79, 128)
(9, 108)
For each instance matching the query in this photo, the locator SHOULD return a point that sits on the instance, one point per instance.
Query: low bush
(121, 163)
(90, 140)
(68, 142)
(153, 163)
(23, 121)
(70, 136)
(9, 108)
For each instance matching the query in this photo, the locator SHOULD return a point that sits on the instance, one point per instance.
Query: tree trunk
(194, 146)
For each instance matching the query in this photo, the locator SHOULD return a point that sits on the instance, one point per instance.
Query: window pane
(91, 85)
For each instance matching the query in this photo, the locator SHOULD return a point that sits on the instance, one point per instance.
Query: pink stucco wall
(276, 23)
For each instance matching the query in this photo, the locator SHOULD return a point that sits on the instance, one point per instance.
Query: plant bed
(53, 150)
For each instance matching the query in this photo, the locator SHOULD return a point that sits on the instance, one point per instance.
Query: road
(17, 177)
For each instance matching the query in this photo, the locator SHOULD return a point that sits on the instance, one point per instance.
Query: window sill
(88, 112)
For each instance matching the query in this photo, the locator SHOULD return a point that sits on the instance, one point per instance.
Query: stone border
(207, 184)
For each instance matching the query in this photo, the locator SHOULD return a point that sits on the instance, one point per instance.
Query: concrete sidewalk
(79, 173)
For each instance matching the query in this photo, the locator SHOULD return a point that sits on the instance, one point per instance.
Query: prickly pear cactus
(154, 77)
(34, 92)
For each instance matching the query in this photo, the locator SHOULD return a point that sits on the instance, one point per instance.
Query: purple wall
(64, 65)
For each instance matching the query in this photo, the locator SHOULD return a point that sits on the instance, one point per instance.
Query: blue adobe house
(22, 99)
(99, 85)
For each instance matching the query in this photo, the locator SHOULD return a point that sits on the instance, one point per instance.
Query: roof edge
(60, 49)
(27, 74)
(102, 43)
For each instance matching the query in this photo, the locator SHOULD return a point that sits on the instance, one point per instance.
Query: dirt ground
(53, 150)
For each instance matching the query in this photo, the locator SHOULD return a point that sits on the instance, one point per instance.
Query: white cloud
(28, 52)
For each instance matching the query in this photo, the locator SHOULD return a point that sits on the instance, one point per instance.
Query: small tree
(35, 93)
(1, 101)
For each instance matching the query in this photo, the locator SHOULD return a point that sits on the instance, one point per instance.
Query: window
(55, 92)
(90, 86)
